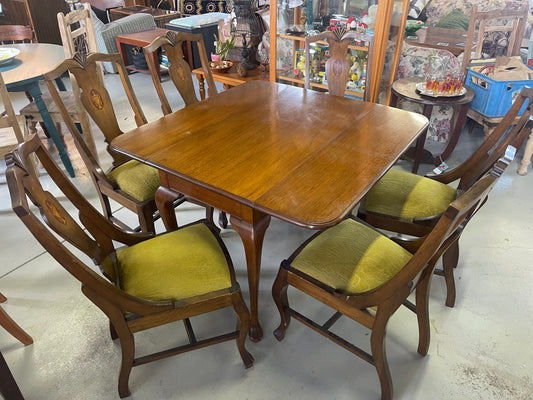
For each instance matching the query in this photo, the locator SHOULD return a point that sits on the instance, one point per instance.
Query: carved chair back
(178, 68)
(341, 43)
(494, 33)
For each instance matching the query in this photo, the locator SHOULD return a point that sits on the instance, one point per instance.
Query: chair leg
(8, 386)
(279, 294)
(526, 159)
(239, 306)
(377, 345)
(112, 331)
(450, 259)
(422, 311)
(146, 218)
(127, 341)
(12, 327)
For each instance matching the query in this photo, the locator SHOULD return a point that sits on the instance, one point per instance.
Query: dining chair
(8, 386)
(180, 72)
(11, 133)
(77, 35)
(149, 281)
(337, 65)
(178, 69)
(500, 33)
(130, 183)
(16, 34)
(411, 204)
(360, 273)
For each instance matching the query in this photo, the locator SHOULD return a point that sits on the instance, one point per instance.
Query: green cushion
(351, 257)
(454, 20)
(136, 179)
(177, 265)
(408, 196)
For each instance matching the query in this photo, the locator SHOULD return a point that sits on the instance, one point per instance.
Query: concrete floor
(479, 350)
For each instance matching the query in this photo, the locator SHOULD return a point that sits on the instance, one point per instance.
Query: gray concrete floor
(479, 350)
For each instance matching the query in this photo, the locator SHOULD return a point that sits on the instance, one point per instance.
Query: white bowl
(7, 54)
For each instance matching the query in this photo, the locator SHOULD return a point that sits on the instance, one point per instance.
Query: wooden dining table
(263, 150)
(23, 74)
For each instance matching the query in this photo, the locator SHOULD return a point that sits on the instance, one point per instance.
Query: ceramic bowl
(220, 67)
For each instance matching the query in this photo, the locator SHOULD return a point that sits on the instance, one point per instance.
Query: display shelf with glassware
(292, 20)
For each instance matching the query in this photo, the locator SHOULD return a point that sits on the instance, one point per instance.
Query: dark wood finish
(11, 326)
(8, 386)
(466, 174)
(452, 40)
(386, 298)
(103, 113)
(44, 20)
(16, 34)
(172, 43)
(139, 39)
(406, 89)
(95, 237)
(143, 3)
(15, 13)
(278, 161)
(337, 66)
(229, 79)
(161, 17)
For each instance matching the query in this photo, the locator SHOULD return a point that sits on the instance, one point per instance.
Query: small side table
(140, 39)
(230, 78)
(406, 89)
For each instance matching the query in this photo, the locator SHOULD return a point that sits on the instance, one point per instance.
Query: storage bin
(494, 98)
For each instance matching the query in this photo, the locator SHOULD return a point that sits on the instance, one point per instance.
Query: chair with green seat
(152, 280)
(411, 204)
(128, 182)
(362, 274)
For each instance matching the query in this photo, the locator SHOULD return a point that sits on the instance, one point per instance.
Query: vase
(215, 57)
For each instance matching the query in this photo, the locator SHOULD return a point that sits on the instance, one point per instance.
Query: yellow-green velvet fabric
(408, 196)
(177, 265)
(352, 258)
(136, 179)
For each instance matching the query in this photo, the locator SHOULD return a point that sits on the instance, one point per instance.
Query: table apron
(208, 196)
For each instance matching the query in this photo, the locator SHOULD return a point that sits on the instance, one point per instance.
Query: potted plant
(222, 48)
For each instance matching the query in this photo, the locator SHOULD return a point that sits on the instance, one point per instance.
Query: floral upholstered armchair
(414, 60)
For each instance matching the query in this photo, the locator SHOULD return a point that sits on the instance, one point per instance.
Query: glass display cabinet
(292, 20)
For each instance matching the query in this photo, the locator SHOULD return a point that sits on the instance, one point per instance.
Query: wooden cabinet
(42, 18)
(14, 13)
(386, 19)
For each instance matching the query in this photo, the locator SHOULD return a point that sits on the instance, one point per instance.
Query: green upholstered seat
(351, 257)
(138, 180)
(408, 196)
(176, 265)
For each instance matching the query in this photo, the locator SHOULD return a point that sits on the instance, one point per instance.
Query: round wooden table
(406, 89)
(23, 75)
